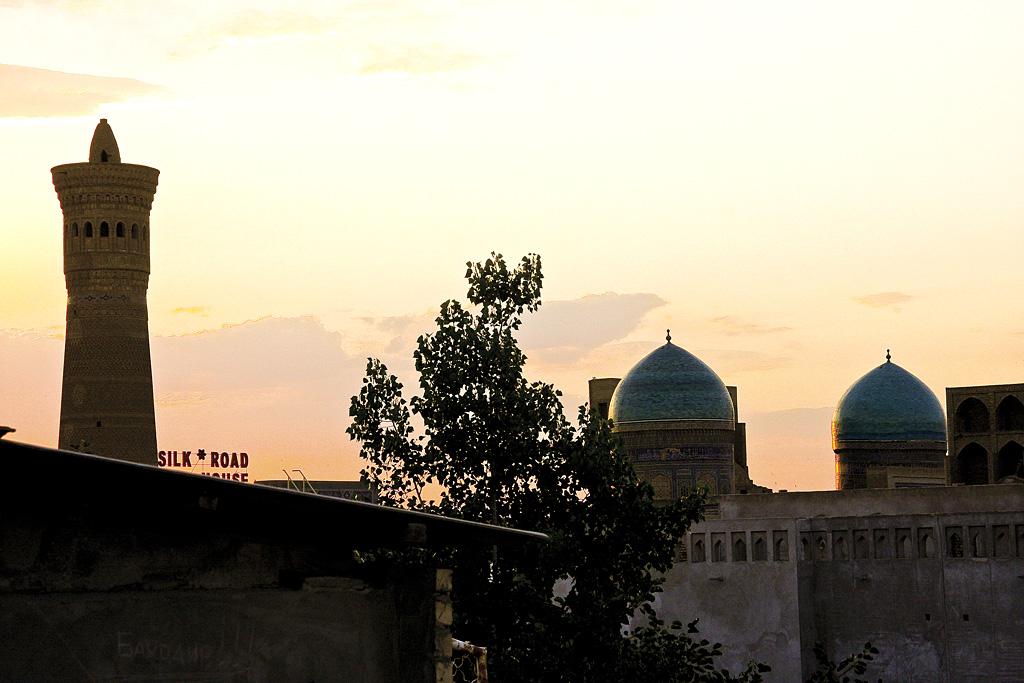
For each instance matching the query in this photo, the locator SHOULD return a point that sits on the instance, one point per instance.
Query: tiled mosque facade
(931, 573)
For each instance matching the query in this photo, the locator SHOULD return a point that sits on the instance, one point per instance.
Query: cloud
(31, 92)
(257, 355)
(254, 26)
(559, 332)
(728, 362)
(407, 325)
(883, 299)
(732, 327)
(417, 60)
(277, 388)
(31, 372)
(566, 331)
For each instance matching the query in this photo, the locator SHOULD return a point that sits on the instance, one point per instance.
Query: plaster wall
(759, 624)
(933, 577)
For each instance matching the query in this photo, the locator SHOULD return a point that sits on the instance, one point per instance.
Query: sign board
(222, 464)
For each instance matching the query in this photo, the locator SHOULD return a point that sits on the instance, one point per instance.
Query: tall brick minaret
(106, 405)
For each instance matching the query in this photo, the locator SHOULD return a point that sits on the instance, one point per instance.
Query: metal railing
(292, 484)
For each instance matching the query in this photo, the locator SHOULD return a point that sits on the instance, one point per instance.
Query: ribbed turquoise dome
(889, 404)
(670, 384)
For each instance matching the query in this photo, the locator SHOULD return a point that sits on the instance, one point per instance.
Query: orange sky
(792, 187)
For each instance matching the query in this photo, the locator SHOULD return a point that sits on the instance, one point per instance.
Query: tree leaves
(504, 453)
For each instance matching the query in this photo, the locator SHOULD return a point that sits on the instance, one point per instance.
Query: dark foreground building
(114, 571)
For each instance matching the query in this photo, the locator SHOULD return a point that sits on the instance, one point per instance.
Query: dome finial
(668, 336)
(103, 149)
(888, 358)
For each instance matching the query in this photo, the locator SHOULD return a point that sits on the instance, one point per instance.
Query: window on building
(120, 229)
(822, 549)
(104, 229)
(74, 229)
(135, 231)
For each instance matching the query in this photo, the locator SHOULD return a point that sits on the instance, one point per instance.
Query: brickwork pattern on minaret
(107, 403)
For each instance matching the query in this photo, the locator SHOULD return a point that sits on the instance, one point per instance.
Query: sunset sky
(791, 187)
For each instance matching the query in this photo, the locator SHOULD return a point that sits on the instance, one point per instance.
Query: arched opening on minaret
(104, 156)
(104, 229)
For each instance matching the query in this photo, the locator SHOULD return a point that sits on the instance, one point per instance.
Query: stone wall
(938, 587)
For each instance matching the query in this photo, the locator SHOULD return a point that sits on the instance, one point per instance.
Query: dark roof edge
(51, 458)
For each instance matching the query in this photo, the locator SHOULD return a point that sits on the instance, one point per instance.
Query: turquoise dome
(670, 384)
(888, 404)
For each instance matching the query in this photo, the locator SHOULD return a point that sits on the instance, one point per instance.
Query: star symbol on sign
(201, 454)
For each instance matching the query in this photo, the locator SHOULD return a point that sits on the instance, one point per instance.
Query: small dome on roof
(671, 384)
(888, 404)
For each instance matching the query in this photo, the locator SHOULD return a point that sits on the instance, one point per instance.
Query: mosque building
(930, 573)
(889, 431)
(678, 422)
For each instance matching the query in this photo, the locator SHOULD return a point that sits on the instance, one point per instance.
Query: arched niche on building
(760, 549)
(839, 551)
(925, 543)
(662, 486)
(1009, 460)
(718, 550)
(739, 549)
(709, 481)
(1010, 415)
(904, 546)
(972, 416)
(970, 465)
(697, 553)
